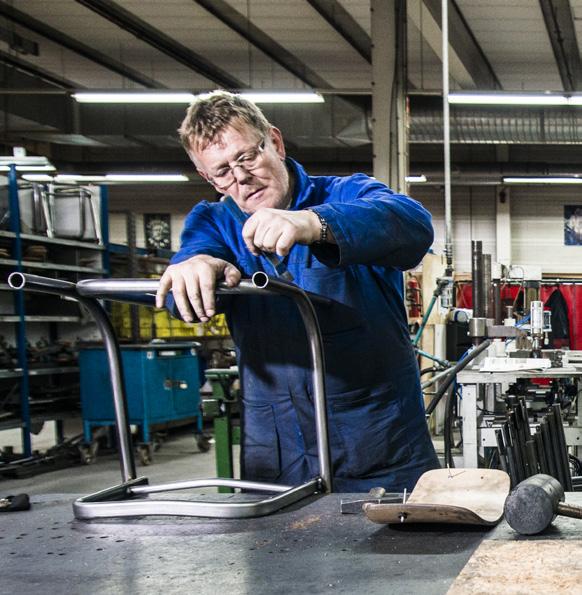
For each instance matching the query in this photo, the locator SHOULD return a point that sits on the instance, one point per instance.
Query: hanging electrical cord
(448, 429)
(450, 377)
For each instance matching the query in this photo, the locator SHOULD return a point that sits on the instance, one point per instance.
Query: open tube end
(260, 279)
(16, 280)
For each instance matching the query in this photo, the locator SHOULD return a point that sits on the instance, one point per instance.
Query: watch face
(157, 231)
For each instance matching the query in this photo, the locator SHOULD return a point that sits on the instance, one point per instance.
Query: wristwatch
(324, 228)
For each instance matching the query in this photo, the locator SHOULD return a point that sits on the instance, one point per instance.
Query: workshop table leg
(223, 450)
(469, 414)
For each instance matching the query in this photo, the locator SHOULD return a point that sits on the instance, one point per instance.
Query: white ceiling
(515, 40)
(512, 36)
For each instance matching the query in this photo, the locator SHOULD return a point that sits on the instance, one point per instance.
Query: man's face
(265, 184)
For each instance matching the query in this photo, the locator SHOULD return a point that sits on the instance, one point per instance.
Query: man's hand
(193, 283)
(276, 230)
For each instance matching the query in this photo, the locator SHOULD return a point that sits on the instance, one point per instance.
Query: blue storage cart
(162, 381)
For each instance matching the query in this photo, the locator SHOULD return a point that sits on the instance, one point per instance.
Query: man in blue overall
(346, 238)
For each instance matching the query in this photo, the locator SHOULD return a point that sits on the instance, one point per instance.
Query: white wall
(537, 224)
(537, 215)
(177, 200)
(536, 219)
(473, 212)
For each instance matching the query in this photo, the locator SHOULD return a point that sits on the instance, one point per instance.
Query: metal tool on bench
(130, 498)
(531, 507)
(375, 496)
(463, 496)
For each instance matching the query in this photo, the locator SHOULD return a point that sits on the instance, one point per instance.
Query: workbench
(307, 549)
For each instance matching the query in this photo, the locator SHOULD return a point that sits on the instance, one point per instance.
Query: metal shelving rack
(23, 372)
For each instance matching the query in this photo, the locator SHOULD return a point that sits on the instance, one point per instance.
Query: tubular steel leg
(65, 288)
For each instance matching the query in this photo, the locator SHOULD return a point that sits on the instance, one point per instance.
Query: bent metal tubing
(126, 499)
(66, 289)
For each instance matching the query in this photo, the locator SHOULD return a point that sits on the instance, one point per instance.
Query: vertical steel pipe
(307, 311)
(447, 137)
(487, 287)
(477, 274)
(557, 427)
(497, 309)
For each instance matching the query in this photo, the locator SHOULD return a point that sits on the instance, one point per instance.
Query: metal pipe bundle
(522, 454)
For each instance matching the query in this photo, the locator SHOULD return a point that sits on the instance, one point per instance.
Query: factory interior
(121, 424)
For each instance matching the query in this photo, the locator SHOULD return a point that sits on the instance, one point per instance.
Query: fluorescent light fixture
(511, 99)
(62, 178)
(78, 178)
(29, 168)
(38, 177)
(23, 160)
(146, 178)
(283, 97)
(147, 97)
(185, 98)
(135, 178)
(416, 179)
(542, 180)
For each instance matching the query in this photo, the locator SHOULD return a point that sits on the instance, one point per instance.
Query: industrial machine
(510, 364)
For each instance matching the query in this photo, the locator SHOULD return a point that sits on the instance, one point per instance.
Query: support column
(389, 109)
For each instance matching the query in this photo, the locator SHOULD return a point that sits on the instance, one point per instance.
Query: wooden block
(524, 566)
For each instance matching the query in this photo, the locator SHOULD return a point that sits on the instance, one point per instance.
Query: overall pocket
(372, 434)
(261, 456)
(338, 316)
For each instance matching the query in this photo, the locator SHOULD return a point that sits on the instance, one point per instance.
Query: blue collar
(303, 185)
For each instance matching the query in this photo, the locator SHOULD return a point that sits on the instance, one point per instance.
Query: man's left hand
(276, 230)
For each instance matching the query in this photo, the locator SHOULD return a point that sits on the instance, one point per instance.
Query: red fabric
(572, 294)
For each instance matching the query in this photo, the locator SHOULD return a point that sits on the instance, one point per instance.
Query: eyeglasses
(248, 161)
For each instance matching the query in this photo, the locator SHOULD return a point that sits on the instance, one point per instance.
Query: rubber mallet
(535, 502)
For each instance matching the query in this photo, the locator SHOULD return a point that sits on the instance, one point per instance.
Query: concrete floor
(177, 459)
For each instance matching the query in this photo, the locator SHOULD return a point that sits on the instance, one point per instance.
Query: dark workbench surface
(308, 549)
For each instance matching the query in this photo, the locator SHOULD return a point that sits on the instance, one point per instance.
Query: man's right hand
(193, 284)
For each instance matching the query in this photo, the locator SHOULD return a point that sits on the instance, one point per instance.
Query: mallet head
(532, 505)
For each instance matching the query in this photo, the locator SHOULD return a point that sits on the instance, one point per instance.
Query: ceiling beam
(56, 36)
(343, 22)
(127, 21)
(17, 43)
(33, 70)
(562, 32)
(468, 63)
(251, 33)
(40, 105)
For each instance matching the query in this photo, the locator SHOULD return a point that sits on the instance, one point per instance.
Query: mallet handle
(570, 510)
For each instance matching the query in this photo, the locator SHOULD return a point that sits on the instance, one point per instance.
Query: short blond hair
(209, 114)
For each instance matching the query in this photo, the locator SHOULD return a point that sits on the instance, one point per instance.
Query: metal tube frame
(129, 498)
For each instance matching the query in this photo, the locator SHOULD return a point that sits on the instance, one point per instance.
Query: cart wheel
(202, 442)
(159, 439)
(88, 453)
(145, 453)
